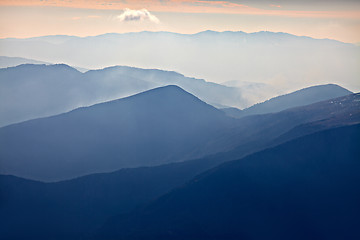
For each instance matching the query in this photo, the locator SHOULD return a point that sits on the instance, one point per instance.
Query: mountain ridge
(297, 98)
(167, 124)
(70, 37)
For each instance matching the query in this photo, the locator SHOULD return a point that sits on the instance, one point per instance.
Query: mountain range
(267, 147)
(289, 163)
(287, 61)
(45, 90)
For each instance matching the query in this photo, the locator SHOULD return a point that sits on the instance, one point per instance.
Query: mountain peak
(170, 97)
(158, 126)
(31, 66)
(173, 88)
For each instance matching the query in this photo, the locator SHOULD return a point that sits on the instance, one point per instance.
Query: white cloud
(137, 15)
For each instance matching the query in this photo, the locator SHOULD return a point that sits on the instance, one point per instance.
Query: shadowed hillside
(302, 189)
(76, 208)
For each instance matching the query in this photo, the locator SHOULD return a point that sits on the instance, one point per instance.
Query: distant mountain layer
(6, 62)
(155, 127)
(286, 61)
(45, 90)
(304, 189)
(15, 61)
(301, 97)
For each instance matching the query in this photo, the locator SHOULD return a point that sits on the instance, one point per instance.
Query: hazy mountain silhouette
(45, 90)
(306, 188)
(289, 62)
(298, 98)
(155, 127)
(212, 93)
(6, 62)
(15, 61)
(31, 91)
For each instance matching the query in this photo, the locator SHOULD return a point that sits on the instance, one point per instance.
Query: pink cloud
(273, 5)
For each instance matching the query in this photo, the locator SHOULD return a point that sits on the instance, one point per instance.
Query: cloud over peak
(137, 15)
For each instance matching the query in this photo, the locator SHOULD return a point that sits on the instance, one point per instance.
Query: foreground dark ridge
(75, 208)
(78, 206)
(304, 189)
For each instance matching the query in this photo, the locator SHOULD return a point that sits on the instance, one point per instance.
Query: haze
(179, 119)
(333, 19)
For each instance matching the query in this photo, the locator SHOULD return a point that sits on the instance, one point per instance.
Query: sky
(334, 19)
